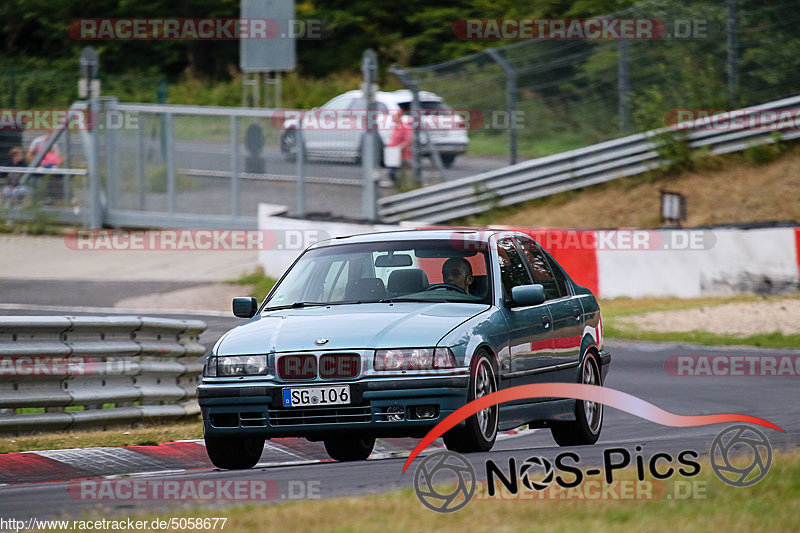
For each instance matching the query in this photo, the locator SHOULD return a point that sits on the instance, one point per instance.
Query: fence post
(511, 102)
(623, 73)
(369, 66)
(234, 146)
(300, 161)
(170, 160)
(140, 163)
(96, 221)
(112, 156)
(733, 67)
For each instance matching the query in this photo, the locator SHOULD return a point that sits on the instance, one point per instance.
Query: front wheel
(480, 430)
(234, 453)
(349, 448)
(588, 415)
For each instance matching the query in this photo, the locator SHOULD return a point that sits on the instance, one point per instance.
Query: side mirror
(525, 295)
(245, 307)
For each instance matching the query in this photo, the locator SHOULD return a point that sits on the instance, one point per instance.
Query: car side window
(512, 270)
(540, 268)
(335, 282)
(558, 274)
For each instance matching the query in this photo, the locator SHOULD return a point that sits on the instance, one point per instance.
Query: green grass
(614, 309)
(481, 144)
(770, 505)
(763, 340)
(142, 434)
(261, 284)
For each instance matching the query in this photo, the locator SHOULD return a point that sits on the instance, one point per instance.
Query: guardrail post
(234, 147)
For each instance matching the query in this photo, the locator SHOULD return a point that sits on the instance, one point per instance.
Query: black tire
(350, 448)
(588, 415)
(234, 453)
(479, 430)
(289, 145)
(447, 159)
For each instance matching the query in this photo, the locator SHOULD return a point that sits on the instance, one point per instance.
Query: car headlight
(414, 359)
(236, 365)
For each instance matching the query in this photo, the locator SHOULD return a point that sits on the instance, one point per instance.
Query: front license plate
(316, 396)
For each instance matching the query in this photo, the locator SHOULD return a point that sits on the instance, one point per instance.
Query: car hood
(350, 326)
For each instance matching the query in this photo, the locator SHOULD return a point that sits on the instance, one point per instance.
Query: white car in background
(343, 140)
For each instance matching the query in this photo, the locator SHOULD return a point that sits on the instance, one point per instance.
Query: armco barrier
(579, 168)
(93, 371)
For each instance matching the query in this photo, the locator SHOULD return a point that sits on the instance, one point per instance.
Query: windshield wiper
(392, 300)
(298, 305)
(295, 305)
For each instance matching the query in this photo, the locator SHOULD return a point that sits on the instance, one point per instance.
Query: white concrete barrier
(286, 238)
(732, 261)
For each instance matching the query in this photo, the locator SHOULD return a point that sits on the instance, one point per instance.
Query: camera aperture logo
(726, 456)
(437, 471)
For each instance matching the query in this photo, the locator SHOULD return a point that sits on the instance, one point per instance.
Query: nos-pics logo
(445, 481)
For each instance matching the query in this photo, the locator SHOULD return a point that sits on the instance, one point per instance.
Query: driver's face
(458, 275)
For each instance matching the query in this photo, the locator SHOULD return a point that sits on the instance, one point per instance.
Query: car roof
(432, 234)
(398, 96)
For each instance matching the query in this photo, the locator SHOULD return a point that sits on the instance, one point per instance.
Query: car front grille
(320, 415)
(325, 365)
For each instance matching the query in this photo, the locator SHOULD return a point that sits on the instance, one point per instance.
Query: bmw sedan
(386, 334)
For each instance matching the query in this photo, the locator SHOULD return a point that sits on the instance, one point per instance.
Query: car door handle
(577, 313)
(546, 321)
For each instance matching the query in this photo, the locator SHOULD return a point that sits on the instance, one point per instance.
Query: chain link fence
(572, 93)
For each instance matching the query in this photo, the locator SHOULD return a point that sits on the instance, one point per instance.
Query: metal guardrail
(91, 371)
(575, 169)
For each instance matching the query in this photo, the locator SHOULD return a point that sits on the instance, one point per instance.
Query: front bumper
(256, 408)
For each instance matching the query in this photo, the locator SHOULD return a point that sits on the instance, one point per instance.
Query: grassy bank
(770, 505)
(150, 434)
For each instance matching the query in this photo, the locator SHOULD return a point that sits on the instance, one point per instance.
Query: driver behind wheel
(457, 271)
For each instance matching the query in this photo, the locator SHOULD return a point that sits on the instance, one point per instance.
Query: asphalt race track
(636, 368)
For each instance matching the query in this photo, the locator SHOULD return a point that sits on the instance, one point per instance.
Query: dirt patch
(752, 193)
(212, 296)
(728, 319)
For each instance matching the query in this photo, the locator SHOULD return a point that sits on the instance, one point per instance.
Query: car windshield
(425, 270)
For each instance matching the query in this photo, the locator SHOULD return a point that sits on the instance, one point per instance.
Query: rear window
(427, 105)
